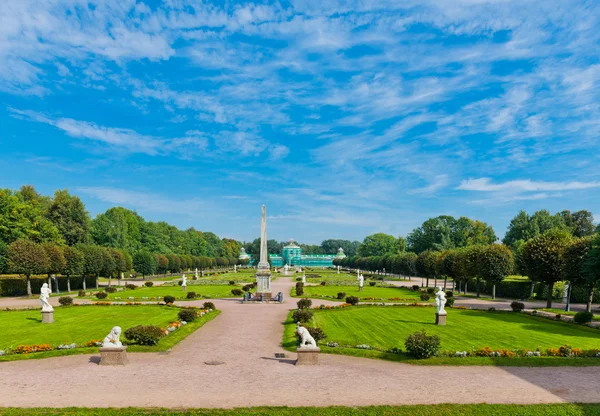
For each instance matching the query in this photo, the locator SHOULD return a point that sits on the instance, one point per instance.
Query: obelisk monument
(263, 274)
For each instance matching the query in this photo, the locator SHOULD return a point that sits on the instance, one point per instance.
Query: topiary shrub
(304, 303)
(130, 286)
(209, 305)
(302, 315)
(583, 317)
(420, 345)
(416, 288)
(191, 295)
(317, 334)
(110, 289)
(101, 295)
(169, 299)
(144, 334)
(149, 284)
(187, 315)
(341, 295)
(237, 292)
(352, 300)
(424, 297)
(247, 288)
(449, 294)
(517, 306)
(81, 293)
(232, 282)
(372, 283)
(430, 290)
(299, 289)
(298, 279)
(65, 300)
(323, 283)
(450, 302)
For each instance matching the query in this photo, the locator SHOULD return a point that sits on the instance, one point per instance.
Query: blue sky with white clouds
(345, 118)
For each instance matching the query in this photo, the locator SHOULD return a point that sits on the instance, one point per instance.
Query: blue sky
(345, 118)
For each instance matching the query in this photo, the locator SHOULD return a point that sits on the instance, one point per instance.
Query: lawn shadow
(34, 319)
(415, 322)
(281, 360)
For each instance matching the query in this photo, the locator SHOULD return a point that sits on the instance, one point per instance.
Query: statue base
(308, 356)
(440, 319)
(113, 356)
(47, 317)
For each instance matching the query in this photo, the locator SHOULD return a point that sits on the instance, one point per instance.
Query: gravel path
(245, 338)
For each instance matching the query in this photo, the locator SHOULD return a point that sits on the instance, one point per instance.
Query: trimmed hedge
(18, 286)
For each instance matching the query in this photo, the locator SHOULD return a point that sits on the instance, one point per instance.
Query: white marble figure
(113, 339)
(285, 269)
(338, 270)
(306, 339)
(361, 281)
(45, 292)
(235, 268)
(183, 281)
(303, 277)
(440, 301)
(196, 273)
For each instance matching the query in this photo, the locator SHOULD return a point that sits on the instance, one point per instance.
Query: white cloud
(486, 185)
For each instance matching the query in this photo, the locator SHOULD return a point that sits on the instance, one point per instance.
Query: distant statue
(45, 292)
(306, 339)
(113, 339)
(440, 301)
(196, 273)
(183, 282)
(361, 282)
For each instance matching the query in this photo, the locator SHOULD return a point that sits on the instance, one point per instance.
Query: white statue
(183, 282)
(196, 273)
(306, 339)
(361, 282)
(113, 339)
(45, 292)
(303, 277)
(440, 301)
(235, 268)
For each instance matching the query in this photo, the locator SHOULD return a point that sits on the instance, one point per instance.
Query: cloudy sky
(345, 118)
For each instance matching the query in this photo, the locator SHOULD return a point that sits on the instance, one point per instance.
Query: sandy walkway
(246, 337)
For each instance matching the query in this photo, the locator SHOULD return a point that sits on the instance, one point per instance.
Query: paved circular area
(245, 338)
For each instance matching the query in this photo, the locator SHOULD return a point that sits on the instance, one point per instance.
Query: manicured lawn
(80, 324)
(377, 292)
(562, 312)
(563, 409)
(208, 291)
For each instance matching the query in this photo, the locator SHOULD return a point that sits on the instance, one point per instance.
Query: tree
(74, 262)
(591, 267)
(575, 256)
(27, 258)
(143, 262)
(93, 261)
(400, 245)
(162, 263)
(68, 214)
(109, 264)
(495, 263)
(543, 256)
(331, 246)
(119, 228)
(175, 263)
(3, 261)
(525, 227)
(378, 244)
(580, 223)
(56, 258)
(472, 255)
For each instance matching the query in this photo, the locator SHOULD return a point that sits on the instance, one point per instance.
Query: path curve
(245, 337)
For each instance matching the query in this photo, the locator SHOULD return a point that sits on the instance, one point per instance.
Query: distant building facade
(292, 256)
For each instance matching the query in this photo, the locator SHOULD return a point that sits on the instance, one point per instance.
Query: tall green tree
(68, 214)
(580, 223)
(74, 262)
(378, 244)
(93, 261)
(446, 232)
(591, 267)
(331, 246)
(143, 262)
(56, 258)
(495, 263)
(575, 255)
(27, 257)
(525, 227)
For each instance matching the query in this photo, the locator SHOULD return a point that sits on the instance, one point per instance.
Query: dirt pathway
(245, 338)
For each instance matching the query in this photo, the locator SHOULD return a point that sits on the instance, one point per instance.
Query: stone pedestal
(47, 317)
(308, 356)
(113, 356)
(440, 319)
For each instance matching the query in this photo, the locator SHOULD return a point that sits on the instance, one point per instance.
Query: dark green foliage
(101, 295)
(372, 283)
(449, 294)
(187, 315)
(517, 306)
(209, 305)
(149, 284)
(247, 288)
(317, 334)
(232, 282)
(191, 295)
(424, 297)
(416, 288)
(144, 334)
(583, 317)
(304, 303)
(299, 289)
(65, 300)
(450, 302)
(341, 295)
(110, 289)
(169, 299)
(302, 315)
(420, 345)
(144, 262)
(81, 293)
(352, 300)
(430, 290)
(323, 283)
(130, 286)
(237, 292)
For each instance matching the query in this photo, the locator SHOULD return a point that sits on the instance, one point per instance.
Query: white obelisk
(263, 274)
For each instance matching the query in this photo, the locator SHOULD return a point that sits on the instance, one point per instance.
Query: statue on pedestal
(113, 339)
(361, 282)
(306, 339)
(183, 282)
(440, 301)
(45, 292)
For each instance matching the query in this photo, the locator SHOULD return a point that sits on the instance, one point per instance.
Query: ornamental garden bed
(79, 329)
(368, 294)
(157, 293)
(471, 337)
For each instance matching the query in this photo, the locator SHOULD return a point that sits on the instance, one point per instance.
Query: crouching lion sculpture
(306, 340)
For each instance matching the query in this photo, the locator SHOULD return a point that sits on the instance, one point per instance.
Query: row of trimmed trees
(29, 258)
(402, 263)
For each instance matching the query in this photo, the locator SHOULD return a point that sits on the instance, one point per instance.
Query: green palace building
(292, 256)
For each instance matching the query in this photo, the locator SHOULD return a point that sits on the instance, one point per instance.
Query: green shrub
(81, 293)
(416, 288)
(420, 345)
(101, 295)
(304, 303)
(517, 306)
(299, 289)
(352, 300)
(323, 283)
(169, 299)
(149, 284)
(209, 305)
(372, 283)
(449, 294)
(110, 289)
(450, 302)
(130, 286)
(317, 334)
(302, 315)
(144, 334)
(191, 295)
(430, 290)
(583, 317)
(187, 315)
(298, 279)
(232, 282)
(424, 297)
(247, 288)
(237, 292)
(341, 295)
(65, 300)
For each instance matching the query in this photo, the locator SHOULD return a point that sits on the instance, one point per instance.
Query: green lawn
(562, 312)
(387, 327)
(208, 291)
(79, 324)
(377, 292)
(563, 409)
